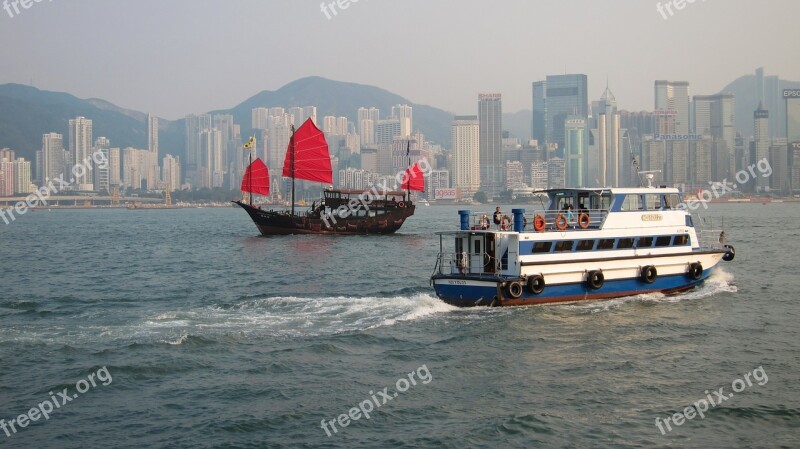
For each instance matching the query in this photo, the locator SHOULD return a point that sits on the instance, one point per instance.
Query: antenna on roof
(649, 176)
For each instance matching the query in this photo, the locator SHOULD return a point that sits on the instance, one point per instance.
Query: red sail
(311, 159)
(256, 178)
(413, 179)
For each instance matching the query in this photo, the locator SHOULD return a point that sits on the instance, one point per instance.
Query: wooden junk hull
(386, 221)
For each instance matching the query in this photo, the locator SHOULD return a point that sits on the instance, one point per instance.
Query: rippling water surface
(214, 337)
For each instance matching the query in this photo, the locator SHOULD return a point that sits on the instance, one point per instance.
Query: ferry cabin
(587, 244)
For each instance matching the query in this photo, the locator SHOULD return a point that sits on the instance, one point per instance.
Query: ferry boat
(588, 244)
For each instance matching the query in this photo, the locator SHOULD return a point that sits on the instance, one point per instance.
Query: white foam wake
(295, 316)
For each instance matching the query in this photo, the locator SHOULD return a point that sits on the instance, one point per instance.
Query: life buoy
(584, 221)
(561, 222)
(536, 284)
(730, 254)
(514, 289)
(595, 280)
(695, 271)
(539, 223)
(401, 204)
(649, 274)
(505, 223)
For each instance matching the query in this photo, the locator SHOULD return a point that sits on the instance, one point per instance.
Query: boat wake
(290, 316)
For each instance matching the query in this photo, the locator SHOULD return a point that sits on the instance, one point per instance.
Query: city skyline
(160, 71)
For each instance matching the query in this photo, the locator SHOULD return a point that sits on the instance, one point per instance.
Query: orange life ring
(584, 221)
(539, 223)
(505, 223)
(401, 204)
(561, 222)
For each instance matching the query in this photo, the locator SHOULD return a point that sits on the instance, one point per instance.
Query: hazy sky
(174, 57)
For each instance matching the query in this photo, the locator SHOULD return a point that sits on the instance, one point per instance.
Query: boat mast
(292, 149)
(408, 173)
(250, 176)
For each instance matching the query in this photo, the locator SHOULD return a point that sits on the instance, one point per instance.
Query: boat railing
(550, 221)
(710, 233)
(553, 220)
(472, 264)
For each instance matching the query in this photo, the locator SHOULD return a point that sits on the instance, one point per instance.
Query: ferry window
(583, 202)
(653, 201)
(671, 201)
(664, 240)
(601, 202)
(459, 245)
(564, 246)
(681, 240)
(625, 243)
(477, 246)
(645, 242)
(542, 247)
(585, 245)
(632, 202)
(605, 244)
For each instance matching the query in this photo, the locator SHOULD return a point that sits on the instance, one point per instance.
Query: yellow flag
(250, 143)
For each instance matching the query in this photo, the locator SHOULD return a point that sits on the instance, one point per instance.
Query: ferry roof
(614, 190)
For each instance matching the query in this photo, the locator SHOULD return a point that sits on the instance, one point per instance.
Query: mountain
(26, 113)
(746, 92)
(343, 99)
(519, 124)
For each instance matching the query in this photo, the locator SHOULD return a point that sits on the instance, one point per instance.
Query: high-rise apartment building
(490, 116)
(466, 154)
(53, 163)
(80, 149)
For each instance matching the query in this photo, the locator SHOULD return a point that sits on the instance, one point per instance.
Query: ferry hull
(469, 291)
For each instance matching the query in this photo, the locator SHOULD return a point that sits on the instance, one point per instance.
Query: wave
(719, 282)
(292, 316)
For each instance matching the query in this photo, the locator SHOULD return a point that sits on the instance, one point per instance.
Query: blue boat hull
(467, 291)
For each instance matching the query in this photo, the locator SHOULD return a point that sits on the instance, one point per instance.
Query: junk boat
(342, 212)
(588, 244)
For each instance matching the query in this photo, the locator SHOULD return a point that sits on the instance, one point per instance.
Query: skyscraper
(490, 116)
(715, 116)
(608, 141)
(101, 179)
(575, 151)
(403, 112)
(466, 154)
(555, 99)
(762, 142)
(52, 157)
(673, 96)
(792, 98)
(80, 149)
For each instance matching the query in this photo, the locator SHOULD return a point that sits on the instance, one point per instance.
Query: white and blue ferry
(588, 244)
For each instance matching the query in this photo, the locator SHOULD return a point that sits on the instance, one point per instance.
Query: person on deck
(498, 216)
